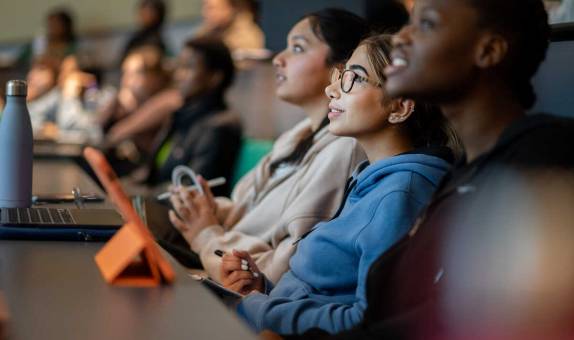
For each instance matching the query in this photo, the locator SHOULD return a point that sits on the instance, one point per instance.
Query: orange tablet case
(131, 257)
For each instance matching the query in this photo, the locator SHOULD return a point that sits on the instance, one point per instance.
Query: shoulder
(540, 141)
(223, 119)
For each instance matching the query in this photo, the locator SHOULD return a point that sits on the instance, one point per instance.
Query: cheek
(310, 76)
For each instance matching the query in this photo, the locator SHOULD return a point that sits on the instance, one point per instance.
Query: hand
(269, 335)
(236, 278)
(127, 100)
(75, 83)
(193, 211)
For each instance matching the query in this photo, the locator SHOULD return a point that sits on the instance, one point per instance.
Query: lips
(334, 112)
(279, 78)
(398, 63)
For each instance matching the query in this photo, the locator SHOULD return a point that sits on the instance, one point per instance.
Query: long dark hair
(342, 31)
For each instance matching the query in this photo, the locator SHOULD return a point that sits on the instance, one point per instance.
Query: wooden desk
(55, 291)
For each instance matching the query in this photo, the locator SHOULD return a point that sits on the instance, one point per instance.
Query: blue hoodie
(326, 284)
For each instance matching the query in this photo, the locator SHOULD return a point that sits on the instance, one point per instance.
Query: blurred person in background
(302, 180)
(58, 41)
(81, 96)
(151, 16)
(43, 94)
(203, 133)
(560, 11)
(386, 16)
(143, 76)
(232, 21)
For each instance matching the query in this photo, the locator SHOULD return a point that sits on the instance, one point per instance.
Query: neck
(316, 110)
(384, 143)
(481, 117)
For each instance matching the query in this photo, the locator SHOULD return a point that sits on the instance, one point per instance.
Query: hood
(429, 165)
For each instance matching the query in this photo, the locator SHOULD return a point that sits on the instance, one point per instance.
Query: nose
(402, 37)
(333, 90)
(279, 60)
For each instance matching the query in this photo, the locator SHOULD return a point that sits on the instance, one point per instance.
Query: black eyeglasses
(349, 77)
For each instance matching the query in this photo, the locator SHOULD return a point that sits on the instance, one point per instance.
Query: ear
(491, 51)
(215, 79)
(402, 110)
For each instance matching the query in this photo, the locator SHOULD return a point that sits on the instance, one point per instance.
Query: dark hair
(524, 23)
(65, 17)
(216, 57)
(342, 31)
(386, 16)
(251, 6)
(159, 6)
(426, 126)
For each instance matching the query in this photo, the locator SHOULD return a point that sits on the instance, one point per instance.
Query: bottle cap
(16, 88)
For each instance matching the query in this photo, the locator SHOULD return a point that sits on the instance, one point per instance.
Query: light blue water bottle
(16, 148)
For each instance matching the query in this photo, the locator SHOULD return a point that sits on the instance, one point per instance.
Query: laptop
(58, 224)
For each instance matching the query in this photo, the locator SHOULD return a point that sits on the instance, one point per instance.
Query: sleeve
(152, 114)
(316, 200)
(214, 154)
(290, 315)
(72, 116)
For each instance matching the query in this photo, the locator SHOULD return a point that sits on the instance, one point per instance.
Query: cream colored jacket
(267, 214)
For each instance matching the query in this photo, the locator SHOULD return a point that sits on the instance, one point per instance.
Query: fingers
(245, 256)
(183, 206)
(206, 189)
(241, 286)
(230, 263)
(239, 281)
(177, 223)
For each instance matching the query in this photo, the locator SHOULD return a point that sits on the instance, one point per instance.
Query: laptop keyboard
(35, 216)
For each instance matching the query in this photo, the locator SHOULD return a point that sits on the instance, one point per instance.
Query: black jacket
(404, 283)
(203, 135)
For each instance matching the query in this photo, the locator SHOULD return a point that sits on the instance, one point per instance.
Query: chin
(336, 130)
(395, 88)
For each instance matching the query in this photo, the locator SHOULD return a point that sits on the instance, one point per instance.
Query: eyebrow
(300, 37)
(359, 67)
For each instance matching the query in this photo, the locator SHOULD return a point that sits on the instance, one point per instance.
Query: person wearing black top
(475, 59)
(203, 133)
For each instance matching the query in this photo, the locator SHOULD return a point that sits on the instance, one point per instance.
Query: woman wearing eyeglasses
(301, 181)
(407, 156)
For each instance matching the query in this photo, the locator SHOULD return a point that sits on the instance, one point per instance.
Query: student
(203, 132)
(301, 181)
(476, 60)
(151, 16)
(58, 41)
(407, 157)
(43, 94)
(143, 76)
(232, 21)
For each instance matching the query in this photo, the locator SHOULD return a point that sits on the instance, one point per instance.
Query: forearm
(295, 316)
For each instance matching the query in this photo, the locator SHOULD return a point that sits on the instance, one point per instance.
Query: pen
(244, 263)
(211, 183)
